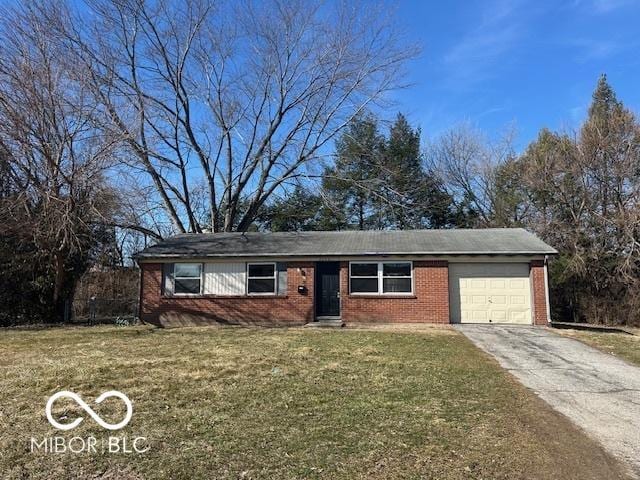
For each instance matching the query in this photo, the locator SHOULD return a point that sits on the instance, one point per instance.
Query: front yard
(283, 403)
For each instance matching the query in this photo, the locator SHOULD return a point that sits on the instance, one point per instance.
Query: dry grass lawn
(621, 345)
(254, 403)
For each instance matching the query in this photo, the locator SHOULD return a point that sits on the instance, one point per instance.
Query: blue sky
(525, 64)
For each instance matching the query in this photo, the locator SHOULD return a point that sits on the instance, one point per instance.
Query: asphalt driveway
(598, 392)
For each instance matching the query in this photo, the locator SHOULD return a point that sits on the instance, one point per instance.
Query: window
(187, 278)
(381, 277)
(396, 277)
(261, 278)
(364, 278)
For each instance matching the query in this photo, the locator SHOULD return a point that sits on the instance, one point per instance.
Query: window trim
(274, 277)
(381, 277)
(174, 278)
(377, 277)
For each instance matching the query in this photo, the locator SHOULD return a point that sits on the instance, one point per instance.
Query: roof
(491, 241)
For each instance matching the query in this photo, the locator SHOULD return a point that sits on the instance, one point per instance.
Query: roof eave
(150, 256)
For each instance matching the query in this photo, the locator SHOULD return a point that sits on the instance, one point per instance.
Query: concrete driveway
(597, 391)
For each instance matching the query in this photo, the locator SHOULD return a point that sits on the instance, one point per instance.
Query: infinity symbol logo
(89, 410)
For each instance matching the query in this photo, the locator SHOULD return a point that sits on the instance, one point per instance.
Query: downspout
(546, 289)
(140, 290)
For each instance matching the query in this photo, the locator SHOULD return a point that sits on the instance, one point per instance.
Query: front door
(327, 289)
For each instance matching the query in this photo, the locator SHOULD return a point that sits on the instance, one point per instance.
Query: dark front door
(328, 289)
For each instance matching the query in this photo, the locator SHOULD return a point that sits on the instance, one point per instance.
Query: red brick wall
(293, 309)
(539, 293)
(430, 303)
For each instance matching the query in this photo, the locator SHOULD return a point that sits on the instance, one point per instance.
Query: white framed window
(187, 278)
(396, 277)
(261, 278)
(363, 277)
(381, 278)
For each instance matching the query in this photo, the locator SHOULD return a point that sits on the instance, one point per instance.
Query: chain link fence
(96, 310)
(107, 296)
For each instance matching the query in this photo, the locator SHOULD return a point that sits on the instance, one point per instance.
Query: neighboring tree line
(124, 121)
(579, 192)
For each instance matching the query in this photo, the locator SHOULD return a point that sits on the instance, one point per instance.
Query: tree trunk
(59, 279)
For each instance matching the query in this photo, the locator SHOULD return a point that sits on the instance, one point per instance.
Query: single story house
(294, 278)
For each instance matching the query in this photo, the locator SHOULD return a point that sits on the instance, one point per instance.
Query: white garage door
(490, 293)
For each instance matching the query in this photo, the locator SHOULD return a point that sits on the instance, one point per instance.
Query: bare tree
(237, 99)
(468, 165)
(53, 157)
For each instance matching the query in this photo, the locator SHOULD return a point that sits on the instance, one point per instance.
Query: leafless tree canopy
(220, 104)
(467, 163)
(52, 154)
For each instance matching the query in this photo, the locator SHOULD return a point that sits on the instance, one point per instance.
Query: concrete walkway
(597, 391)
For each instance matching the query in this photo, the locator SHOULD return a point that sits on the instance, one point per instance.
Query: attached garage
(490, 293)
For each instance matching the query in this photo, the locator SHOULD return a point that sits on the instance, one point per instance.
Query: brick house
(294, 278)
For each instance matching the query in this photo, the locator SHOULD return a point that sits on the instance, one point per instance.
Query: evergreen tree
(354, 184)
(375, 183)
(300, 210)
(414, 197)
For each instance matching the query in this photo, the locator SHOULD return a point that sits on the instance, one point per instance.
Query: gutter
(151, 256)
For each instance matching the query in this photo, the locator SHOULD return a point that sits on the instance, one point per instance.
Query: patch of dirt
(404, 327)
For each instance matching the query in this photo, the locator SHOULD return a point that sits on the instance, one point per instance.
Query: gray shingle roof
(496, 241)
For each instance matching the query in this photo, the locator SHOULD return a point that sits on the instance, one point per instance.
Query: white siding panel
(224, 278)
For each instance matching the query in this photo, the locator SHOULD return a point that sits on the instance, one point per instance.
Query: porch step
(333, 323)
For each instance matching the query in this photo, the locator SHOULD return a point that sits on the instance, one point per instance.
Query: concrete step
(326, 323)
